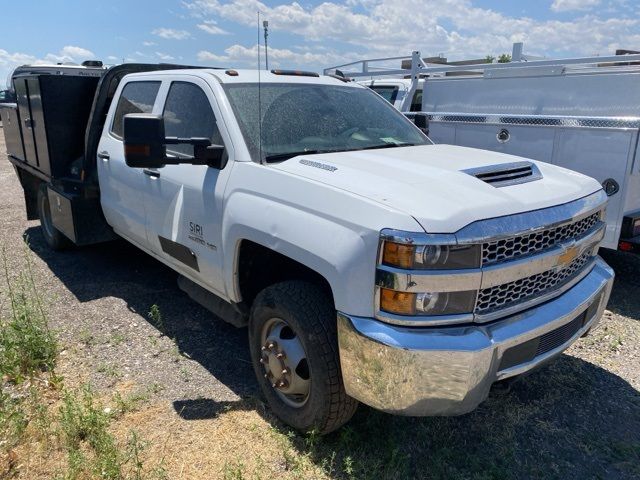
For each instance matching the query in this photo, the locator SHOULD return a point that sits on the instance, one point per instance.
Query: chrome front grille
(494, 298)
(510, 248)
(514, 263)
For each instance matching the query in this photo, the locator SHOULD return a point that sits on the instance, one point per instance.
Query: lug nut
(263, 348)
(272, 345)
(285, 371)
(280, 355)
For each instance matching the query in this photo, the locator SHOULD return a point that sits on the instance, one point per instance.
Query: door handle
(151, 173)
(104, 155)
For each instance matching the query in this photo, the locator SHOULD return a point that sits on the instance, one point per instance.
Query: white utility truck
(369, 264)
(580, 113)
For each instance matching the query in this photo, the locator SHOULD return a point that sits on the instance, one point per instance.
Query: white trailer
(582, 114)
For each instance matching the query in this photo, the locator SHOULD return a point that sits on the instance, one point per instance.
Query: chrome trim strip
(417, 238)
(435, 320)
(527, 266)
(421, 281)
(498, 228)
(534, 120)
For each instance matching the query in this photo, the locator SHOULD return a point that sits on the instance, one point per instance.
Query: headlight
(428, 303)
(430, 275)
(430, 257)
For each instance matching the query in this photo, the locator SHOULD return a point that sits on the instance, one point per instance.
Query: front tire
(294, 351)
(52, 236)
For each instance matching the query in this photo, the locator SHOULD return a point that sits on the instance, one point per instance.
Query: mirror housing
(144, 141)
(145, 145)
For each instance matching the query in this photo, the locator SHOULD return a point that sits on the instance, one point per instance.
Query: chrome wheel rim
(285, 363)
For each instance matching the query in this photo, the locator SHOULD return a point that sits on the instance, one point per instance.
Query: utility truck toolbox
(367, 263)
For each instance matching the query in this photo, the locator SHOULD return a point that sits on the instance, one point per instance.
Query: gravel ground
(578, 417)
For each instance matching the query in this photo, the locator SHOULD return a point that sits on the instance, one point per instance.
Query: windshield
(312, 118)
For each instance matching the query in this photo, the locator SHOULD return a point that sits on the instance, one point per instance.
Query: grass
(27, 345)
(47, 431)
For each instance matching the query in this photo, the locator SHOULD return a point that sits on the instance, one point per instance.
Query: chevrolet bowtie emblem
(568, 256)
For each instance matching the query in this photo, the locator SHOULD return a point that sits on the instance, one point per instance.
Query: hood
(428, 183)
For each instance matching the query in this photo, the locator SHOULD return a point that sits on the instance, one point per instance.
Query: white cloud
(171, 34)
(165, 57)
(76, 52)
(149, 44)
(572, 5)
(211, 27)
(241, 56)
(455, 27)
(68, 54)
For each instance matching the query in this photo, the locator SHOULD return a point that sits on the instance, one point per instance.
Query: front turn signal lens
(398, 255)
(401, 303)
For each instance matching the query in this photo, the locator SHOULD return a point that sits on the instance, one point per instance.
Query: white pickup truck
(369, 264)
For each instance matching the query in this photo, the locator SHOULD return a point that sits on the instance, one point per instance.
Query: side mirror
(144, 141)
(145, 145)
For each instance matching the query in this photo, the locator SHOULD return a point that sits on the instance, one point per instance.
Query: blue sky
(307, 34)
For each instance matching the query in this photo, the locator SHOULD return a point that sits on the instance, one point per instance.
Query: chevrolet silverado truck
(369, 264)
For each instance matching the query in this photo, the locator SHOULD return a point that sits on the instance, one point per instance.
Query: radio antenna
(259, 98)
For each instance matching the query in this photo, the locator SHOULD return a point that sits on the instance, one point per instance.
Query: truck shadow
(625, 297)
(118, 269)
(570, 419)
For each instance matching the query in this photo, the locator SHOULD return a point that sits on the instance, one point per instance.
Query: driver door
(184, 202)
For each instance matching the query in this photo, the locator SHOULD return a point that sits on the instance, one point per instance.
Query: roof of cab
(226, 76)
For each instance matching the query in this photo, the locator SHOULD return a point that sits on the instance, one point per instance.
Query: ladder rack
(368, 68)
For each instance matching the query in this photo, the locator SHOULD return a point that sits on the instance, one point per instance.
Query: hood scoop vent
(506, 174)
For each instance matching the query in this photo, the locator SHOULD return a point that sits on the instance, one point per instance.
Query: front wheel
(294, 348)
(54, 238)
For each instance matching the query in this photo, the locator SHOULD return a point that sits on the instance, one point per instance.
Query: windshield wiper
(387, 145)
(279, 157)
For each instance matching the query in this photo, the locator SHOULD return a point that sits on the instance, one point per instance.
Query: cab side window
(188, 114)
(136, 97)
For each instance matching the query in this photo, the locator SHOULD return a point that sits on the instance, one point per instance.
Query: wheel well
(260, 267)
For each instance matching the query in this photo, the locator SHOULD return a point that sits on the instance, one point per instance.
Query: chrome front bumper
(449, 370)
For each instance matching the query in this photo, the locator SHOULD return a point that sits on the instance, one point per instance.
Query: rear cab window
(136, 97)
(188, 114)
